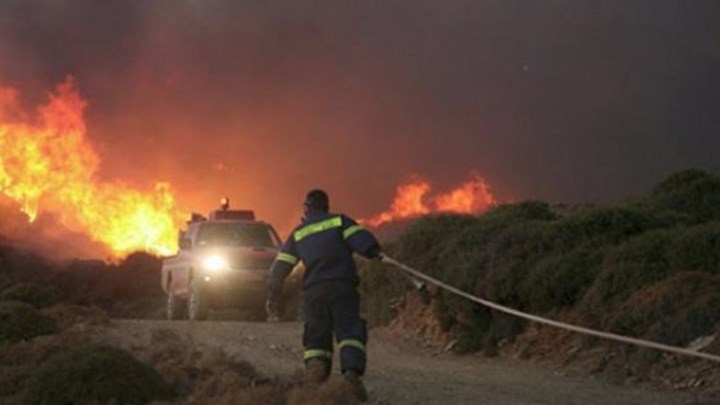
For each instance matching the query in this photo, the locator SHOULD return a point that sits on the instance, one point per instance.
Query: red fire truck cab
(223, 261)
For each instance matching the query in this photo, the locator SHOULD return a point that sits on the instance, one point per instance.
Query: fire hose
(418, 275)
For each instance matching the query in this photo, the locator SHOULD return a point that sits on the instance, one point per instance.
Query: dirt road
(400, 373)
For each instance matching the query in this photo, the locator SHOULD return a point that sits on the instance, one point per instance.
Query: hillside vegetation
(647, 267)
(127, 289)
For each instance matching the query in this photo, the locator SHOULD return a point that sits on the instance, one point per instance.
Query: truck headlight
(215, 264)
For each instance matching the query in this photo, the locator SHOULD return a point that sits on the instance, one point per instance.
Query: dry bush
(676, 310)
(95, 374)
(128, 289)
(67, 315)
(215, 377)
(209, 376)
(19, 361)
(20, 321)
(29, 293)
(125, 289)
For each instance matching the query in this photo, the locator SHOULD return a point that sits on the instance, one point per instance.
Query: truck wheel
(198, 306)
(176, 307)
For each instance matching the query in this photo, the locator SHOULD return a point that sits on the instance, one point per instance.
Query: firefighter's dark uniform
(325, 243)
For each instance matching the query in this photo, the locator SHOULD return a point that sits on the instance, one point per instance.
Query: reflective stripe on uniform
(351, 231)
(352, 343)
(288, 258)
(313, 353)
(317, 227)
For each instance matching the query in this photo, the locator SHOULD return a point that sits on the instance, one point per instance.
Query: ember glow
(412, 200)
(48, 165)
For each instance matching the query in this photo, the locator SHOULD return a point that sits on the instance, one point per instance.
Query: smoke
(262, 101)
(215, 99)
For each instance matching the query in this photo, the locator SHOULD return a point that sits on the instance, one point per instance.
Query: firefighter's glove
(376, 253)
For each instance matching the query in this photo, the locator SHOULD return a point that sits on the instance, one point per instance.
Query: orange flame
(412, 200)
(472, 197)
(408, 203)
(47, 164)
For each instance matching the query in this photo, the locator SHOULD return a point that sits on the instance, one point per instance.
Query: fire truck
(223, 262)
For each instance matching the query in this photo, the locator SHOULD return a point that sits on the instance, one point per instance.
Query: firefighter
(325, 243)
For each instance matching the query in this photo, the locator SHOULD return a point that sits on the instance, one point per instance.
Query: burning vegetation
(415, 199)
(47, 164)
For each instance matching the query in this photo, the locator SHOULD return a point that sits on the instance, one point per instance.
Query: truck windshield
(234, 234)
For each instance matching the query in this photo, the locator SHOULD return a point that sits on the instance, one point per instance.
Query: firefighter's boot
(353, 379)
(316, 371)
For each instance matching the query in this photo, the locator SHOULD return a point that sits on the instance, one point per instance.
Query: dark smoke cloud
(562, 100)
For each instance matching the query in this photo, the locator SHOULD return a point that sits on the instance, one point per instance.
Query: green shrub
(679, 181)
(37, 296)
(490, 259)
(692, 192)
(95, 374)
(655, 255)
(513, 254)
(422, 241)
(595, 261)
(560, 280)
(379, 286)
(696, 248)
(636, 263)
(430, 241)
(598, 227)
(674, 311)
(20, 321)
(522, 211)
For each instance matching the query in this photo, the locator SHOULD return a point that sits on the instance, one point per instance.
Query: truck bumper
(234, 288)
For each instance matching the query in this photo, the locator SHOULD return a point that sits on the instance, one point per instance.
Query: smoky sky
(565, 101)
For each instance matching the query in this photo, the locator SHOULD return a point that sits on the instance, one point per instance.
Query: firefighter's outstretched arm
(360, 240)
(284, 262)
